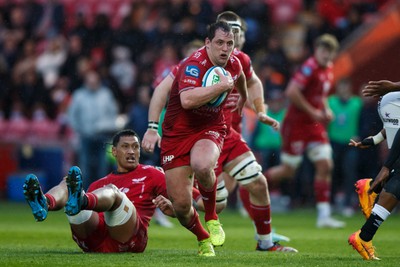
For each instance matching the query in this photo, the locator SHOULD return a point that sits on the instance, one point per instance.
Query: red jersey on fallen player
(316, 82)
(180, 122)
(141, 186)
(233, 119)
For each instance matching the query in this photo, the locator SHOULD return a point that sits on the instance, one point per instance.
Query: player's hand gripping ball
(210, 78)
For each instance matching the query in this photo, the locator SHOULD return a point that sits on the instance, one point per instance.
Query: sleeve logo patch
(306, 70)
(192, 71)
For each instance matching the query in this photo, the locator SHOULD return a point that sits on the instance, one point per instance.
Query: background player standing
(304, 127)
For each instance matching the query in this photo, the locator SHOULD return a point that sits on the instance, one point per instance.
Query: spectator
(130, 34)
(26, 61)
(51, 20)
(269, 148)
(18, 124)
(370, 124)
(29, 89)
(49, 62)
(92, 115)
(42, 129)
(69, 68)
(124, 71)
(346, 108)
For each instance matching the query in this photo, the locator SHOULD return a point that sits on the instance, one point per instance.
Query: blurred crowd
(116, 50)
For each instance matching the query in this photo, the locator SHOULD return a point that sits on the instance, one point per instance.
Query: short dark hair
(125, 132)
(212, 28)
(228, 16)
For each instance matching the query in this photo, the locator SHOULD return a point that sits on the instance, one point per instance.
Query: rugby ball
(210, 78)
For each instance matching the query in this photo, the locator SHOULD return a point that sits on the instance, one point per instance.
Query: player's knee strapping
(322, 151)
(246, 171)
(291, 160)
(222, 193)
(120, 215)
(81, 217)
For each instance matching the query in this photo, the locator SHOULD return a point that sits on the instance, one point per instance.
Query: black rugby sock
(370, 227)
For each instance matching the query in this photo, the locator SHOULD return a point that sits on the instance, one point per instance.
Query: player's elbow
(188, 102)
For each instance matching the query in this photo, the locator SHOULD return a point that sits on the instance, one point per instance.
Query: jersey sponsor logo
(390, 120)
(138, 180)
(189, 81)
(168, 158)
(207, 111)
(306, 70)
(192, 71)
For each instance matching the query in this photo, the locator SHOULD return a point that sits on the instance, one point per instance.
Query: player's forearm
(199, 96)
(297, 99)
(256, 94)
(155, 108)
(241, 87)
(159, 98)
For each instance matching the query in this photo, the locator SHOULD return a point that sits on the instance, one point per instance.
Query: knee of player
(182, 208)
(257, 186)
(203, 173)
(202, 167)
(324, 166)
(220, 206)
(114, 193)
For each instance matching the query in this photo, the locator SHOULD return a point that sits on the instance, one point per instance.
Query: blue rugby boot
(35, 197)
(75, 191)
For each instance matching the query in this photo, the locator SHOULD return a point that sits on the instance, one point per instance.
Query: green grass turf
(24, 242)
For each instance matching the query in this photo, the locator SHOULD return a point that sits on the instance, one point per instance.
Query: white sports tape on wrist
(378, 138)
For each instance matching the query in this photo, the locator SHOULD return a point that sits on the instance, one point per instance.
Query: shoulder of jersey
(308, 67)
(155, 168)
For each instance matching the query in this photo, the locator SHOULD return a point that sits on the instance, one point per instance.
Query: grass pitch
(24, 242)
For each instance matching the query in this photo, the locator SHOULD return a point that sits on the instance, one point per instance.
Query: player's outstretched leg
(366, 201)
(365, 249)
(35, 197)
(217, 234)
(75, 191)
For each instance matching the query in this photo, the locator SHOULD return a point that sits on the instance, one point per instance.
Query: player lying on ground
(113, 216)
